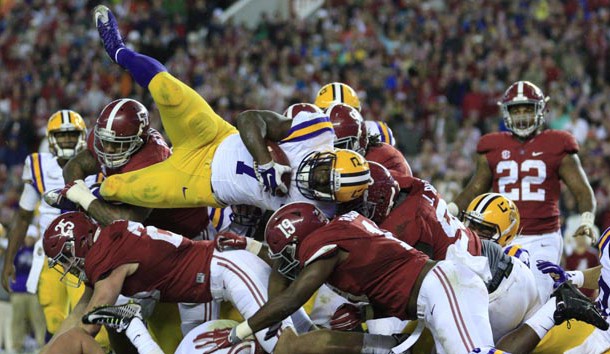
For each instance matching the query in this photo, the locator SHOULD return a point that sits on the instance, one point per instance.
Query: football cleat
(117, 317)
(108, 29)
(572, 304)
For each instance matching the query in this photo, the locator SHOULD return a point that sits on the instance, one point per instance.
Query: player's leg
(53, 298)
(547, 247)
(453, 303)
(193, 315)
(164, 324)
(188, 119)
(329, 342)
(245, 278)
(513, 301)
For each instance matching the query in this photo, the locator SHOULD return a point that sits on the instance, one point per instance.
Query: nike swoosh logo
(537, 153)
(184, 192)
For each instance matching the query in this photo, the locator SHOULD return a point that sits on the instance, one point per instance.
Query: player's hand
(347, 317)
(57, 199)
(555, 271)
(79, 193)
(585, 231)
(216, 339)
(270, 176)
(230, 241)
(8, 276)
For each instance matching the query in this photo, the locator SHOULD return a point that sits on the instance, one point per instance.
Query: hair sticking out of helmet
(523, 106)
(120, 131)
(350, 129)
(66, 242)
(67, 134)
(493, 216)
(288, 226)
(337, 92)
(333, 176)
(297, 108)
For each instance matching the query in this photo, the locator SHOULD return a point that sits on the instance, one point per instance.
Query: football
(279, 156)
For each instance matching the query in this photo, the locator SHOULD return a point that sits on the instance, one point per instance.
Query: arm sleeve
(29, 198)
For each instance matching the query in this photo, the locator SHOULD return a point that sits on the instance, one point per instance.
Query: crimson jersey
(379, 269)
(189, 222)
(528, 173)
(422, 219)
(390, 158)
(171, 268)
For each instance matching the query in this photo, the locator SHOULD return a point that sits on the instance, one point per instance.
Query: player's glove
(555, 271)
(347, 317)
(79, 193)
(228, 240)
(216, 339)
(270, 176)
(56, 199)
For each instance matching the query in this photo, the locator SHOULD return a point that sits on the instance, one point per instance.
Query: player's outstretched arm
(478, 184)
(16, 237)
(106, 213)
(573, 175)
(74, 341)
(80, 166)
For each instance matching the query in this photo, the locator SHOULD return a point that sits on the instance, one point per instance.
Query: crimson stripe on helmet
(485, 202)
(113, 113)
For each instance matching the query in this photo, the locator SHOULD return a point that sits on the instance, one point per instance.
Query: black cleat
(572, 304)
(117, 317)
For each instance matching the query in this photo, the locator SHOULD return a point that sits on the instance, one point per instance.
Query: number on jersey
(528, 190)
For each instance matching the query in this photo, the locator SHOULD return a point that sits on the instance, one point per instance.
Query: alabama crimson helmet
(380, 197)
(66, 242)
(120, 131)
(333, 176)
(288, 226)
(523, 93)
(350, 129)
(297, 108)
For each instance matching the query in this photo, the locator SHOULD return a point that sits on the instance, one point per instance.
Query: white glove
(270, 176)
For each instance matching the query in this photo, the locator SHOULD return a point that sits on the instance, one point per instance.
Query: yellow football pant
(559, 339)
(164, 325)
(184, 179)
(57, 300)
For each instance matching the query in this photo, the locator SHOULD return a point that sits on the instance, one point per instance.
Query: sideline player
(66, 132)
(527, 165)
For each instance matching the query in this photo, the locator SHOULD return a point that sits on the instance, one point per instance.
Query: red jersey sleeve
(489, 141)
(390, 158)
(570, 143)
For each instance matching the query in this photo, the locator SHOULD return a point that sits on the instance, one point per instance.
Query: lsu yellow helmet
(333, 176)
(494, 217)
(66, 121)
(337, 92)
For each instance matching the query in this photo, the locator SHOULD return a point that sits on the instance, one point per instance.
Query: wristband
(453, 209)
(242, 331)
(253, 246)
(266, 166)
(587, 219)
(80, 194)
(576, 277)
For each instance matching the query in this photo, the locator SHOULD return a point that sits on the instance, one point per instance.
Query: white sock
(542, 321)
(141, 339)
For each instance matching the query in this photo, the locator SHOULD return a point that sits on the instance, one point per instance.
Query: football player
(140, 261)
(66, 132)
(213, 165)
(364, 263)
(526, 165)
(380, 131)
(351, 132)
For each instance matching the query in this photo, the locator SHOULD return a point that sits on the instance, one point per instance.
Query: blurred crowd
(433, 70)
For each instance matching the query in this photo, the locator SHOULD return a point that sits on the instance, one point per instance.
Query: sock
(141, 67)
(141, 339)
(542, 321)
(377, 344)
